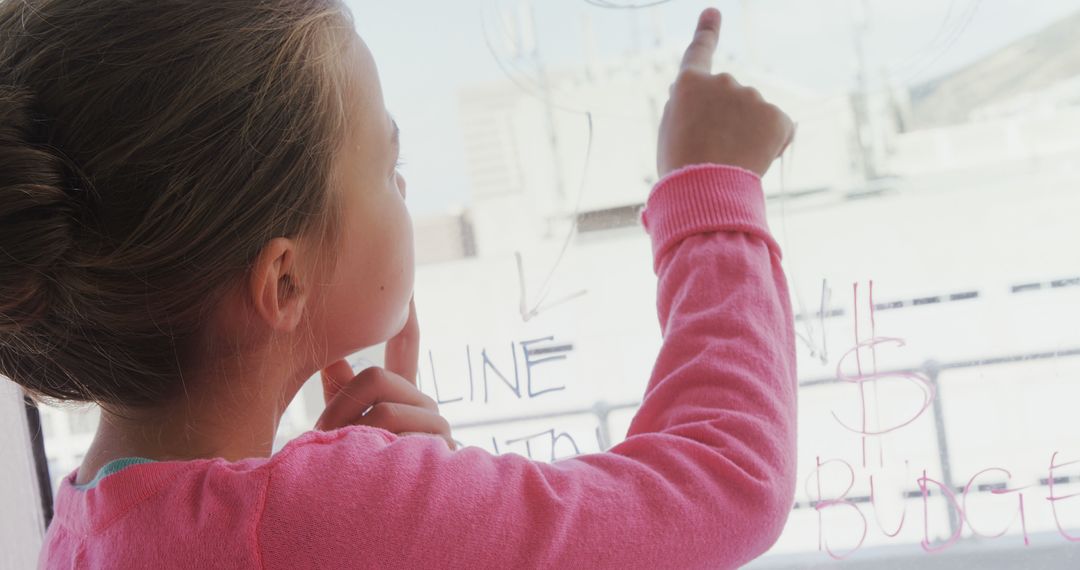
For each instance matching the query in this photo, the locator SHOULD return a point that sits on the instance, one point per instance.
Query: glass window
(927, 213)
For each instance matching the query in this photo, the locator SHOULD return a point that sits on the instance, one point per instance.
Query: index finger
(403, 351)
(700, 53)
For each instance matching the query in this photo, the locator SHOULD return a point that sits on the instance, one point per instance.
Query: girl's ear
(276, 289)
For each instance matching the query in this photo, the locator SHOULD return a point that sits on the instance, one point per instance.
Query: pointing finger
(402, 352)
(699, 55)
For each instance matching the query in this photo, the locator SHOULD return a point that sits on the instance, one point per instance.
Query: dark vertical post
(932, 371)
(37, 443)
(602, 410)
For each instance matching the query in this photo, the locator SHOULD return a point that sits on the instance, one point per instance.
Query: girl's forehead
(361, 62)
(364, 107)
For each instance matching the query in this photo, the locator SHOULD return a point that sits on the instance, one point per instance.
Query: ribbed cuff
(704, 198)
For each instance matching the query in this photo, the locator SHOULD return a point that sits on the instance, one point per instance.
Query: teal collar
(110, 468)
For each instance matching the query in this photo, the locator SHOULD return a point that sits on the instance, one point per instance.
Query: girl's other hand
(713, 119)
(380, 398)
(387, 397)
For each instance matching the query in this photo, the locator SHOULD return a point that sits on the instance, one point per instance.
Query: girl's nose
(401, 184)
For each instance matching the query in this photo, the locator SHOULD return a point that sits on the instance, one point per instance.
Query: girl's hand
(384, 397)
(712, 119)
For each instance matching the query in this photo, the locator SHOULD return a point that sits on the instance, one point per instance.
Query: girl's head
(189, 181)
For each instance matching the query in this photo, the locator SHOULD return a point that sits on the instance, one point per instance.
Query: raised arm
(705, 476)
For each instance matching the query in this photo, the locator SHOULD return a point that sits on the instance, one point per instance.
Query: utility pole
(860, 99)
(588, 38)
(527, 14)
(749, 33)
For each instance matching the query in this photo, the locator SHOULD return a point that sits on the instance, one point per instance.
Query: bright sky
(428, 49)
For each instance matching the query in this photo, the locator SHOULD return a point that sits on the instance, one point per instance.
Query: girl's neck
(237, 420)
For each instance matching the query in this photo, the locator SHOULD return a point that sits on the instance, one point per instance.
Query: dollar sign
(917, 379)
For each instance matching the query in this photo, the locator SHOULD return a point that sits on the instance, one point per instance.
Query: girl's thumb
(334, 377)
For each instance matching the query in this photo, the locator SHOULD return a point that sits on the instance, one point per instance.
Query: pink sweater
(704, 479)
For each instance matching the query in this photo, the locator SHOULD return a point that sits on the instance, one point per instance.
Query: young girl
(199, 209)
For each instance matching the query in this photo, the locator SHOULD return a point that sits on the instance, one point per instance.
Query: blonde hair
(148, 150)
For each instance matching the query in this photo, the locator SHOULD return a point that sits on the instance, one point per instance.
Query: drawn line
(611, 5)
(526, 312)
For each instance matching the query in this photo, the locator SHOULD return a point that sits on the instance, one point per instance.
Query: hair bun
(36, 212)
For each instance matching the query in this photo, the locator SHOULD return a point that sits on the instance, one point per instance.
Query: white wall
(22, 523)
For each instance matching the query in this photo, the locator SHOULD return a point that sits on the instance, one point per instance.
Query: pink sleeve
(704, 479)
